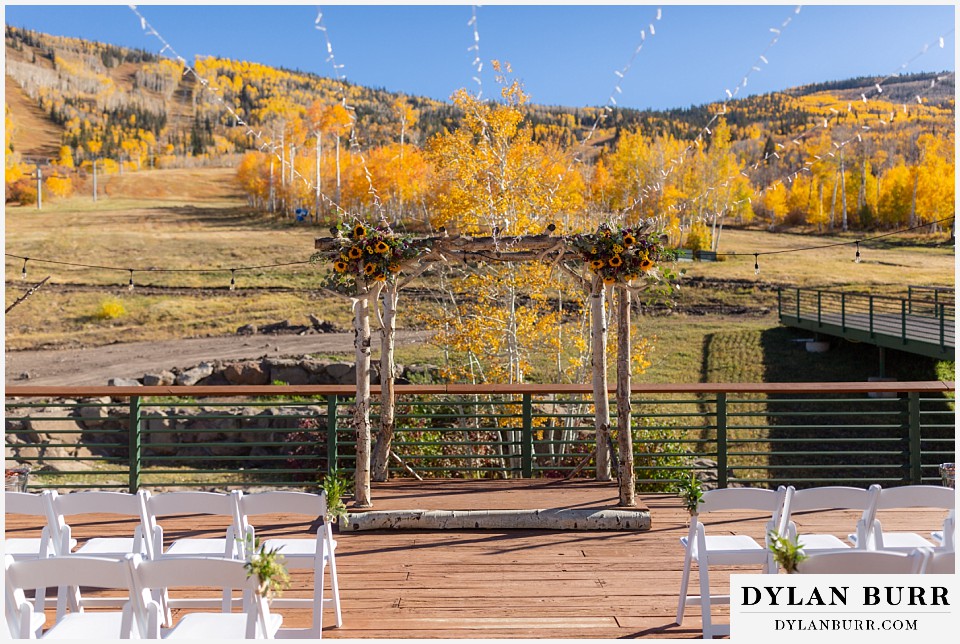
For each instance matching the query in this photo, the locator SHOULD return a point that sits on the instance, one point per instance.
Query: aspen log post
(601, 403)
(361, 411)
(381, 451)
(625, 471)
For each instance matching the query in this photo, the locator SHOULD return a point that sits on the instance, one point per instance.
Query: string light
(130, 283)
(857, 257)
(756, 263)
(476, 63)
(233, 279)
(23, 271)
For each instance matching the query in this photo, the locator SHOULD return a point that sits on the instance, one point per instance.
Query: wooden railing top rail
(36, 391)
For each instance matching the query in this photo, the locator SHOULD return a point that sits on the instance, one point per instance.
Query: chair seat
(217, 626)
(296, 547)
(904, 540)
(106, 546)
(938, 537)
(197, 548)
(731, 549)
(22, 548)
(87, 625)
(821, 542)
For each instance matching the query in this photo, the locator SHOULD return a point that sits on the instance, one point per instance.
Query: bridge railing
(870, 317)
(799, 433)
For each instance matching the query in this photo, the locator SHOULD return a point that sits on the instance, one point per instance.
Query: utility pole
(94, 180)
(39, 188)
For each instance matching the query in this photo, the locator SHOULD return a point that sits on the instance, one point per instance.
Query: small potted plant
(786, 552)
(690, 489)
(269, 567)
(335, 486)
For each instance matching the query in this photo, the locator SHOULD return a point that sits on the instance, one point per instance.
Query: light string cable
(476, 63)
(126, 269)
(824, 123)
(611, 103)
(676, 163)
(354, 139)
(234, 269)
(265, 145)
(855, 242)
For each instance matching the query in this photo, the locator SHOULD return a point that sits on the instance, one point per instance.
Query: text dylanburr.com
(854, 607)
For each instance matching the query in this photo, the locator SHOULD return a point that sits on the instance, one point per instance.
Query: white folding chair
(313, 553)
(726, 549)
(27, 548)
(908, 497)
(255, 622)
(827, 498)
(64, 508)
(864, 562)
(90, 572)
(941, 562)
(184, 543)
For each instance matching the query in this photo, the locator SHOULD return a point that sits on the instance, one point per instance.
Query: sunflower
(370, 268)
(359, 231)
(615, 261)
(354, 252)
(394, 268)
(340, 266)
(645, 263)
(596, 264)
(617, 249)
(629, 240)
(380, 278)
(609, 280)
(381, 247)
(630, 277)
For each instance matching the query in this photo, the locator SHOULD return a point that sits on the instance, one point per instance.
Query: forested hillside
(835, 155)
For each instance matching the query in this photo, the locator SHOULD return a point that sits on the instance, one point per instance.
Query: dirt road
(95, 366)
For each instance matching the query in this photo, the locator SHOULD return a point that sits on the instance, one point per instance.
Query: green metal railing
(923, 326)
(802, 433)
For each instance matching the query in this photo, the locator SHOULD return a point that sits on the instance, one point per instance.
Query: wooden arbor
(372, 264)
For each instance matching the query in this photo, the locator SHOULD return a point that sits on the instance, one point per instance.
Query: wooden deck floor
(506, 584)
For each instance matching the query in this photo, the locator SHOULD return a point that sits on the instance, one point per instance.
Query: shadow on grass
(849, 439)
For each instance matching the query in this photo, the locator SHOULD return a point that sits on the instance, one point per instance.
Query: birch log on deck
(625, 472)
(381, 451)
(598, 360)
(361, 410)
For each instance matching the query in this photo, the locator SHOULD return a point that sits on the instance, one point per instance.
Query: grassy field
(197, 222)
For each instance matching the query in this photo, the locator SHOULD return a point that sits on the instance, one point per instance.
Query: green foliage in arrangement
(336, 485)
(690, 489)
(787, 553)
(270, 568)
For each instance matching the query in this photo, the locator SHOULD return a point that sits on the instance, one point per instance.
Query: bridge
(922, 323)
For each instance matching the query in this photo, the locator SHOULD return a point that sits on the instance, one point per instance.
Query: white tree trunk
(601, 403)
(361, 413)
(625, 471)
(381, 452)
(317, 202)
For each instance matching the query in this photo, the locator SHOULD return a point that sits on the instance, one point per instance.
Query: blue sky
(564, 54)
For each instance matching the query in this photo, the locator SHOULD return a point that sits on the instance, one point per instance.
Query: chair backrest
(36, 505)
(829, 497)
(193, 572)
(859, 562)
(281, 501)
(742, 498)
(941, 563)
(75, 571)
(917, 496)
(96, 502)
(190, 502)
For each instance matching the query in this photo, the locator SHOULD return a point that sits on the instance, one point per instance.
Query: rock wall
(303, 370)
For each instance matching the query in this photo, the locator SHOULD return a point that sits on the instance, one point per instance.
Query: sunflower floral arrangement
(370, 254)
(620, 255)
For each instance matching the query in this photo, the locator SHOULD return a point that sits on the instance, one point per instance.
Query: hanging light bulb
(233, 280)
(756, 263)
(23, 271)
(857, 257)
(130, 283)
